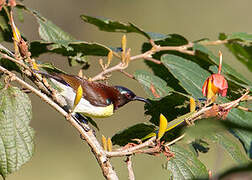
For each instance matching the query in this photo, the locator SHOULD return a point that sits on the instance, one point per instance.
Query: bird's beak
(137, 98)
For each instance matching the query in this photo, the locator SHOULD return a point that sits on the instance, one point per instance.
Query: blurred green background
(59, 152)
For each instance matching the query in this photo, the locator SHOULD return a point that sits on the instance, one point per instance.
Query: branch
(186, 49)
(129, 151)
(97, 150)
(225, 107)
(130, 168)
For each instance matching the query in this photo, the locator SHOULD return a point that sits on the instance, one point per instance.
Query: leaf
(240, 36)
(242, 118)
(108, 25)
(231, 146)
(16, 145)
(155, 87)
(240, 45)
(158, 69)
(171, 106)
(185, 165)
(51, 33)
(137, 131)
(187, 72)
(5, 29)
(76, 49)
(182, 70)
(55, 40)
(216, 132)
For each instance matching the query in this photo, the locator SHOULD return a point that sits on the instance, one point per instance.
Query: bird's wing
(97, 94)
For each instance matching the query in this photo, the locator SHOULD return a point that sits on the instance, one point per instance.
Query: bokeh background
(59, 151)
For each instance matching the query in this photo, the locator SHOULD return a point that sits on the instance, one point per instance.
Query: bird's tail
(51, 75)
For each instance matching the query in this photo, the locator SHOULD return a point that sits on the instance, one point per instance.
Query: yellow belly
(98, 112)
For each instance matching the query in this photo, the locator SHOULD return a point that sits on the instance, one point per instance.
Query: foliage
(178, 74)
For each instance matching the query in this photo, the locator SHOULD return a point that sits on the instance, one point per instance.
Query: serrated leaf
(137, 131)
(155, 87)
(16, 145)
(187, 72)
(51, 33)
(185, 165)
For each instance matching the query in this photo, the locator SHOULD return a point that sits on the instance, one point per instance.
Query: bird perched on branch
(97, 99)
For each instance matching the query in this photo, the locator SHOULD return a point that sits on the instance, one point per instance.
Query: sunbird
(98, 100)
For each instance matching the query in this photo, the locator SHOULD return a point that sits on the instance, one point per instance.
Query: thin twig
(175, 140)
(130, 168)
(129, 151)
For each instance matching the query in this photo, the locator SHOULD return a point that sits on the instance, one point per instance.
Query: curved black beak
(137, 98)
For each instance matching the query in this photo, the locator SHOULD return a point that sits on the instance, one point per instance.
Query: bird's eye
(127, 95)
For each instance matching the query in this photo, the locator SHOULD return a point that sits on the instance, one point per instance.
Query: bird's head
(126, 96)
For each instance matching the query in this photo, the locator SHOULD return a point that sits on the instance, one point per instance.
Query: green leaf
(240, 36)
(172, 106)
(216, 131)
(49, 32)
(240, 45)
(183, 69)
(155, 87)
(55, 40)
(137, 131)
(185, 165)
(231, 146)
(16, 145)
(76, 48)
(108, 25)
(242, 118)
(5, 29)
(187, 72)
(158, 69)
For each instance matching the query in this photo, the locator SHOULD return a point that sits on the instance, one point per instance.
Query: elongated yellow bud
(124, 43)
(78, 96)
(104, 143)
(192, 104)
(109, 144)
(162, 126)
(110, 56)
